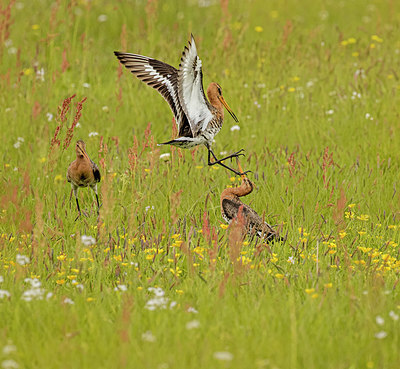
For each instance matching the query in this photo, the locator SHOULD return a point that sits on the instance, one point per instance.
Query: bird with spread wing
(198, 119)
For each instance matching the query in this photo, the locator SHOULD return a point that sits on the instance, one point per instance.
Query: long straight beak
(240, 169)
(228, 108)
(85, 154)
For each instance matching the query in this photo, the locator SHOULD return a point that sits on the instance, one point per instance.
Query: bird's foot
(79, 215)
(238, 153)
(234, 155)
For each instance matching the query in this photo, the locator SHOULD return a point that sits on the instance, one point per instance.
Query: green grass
(324, 170)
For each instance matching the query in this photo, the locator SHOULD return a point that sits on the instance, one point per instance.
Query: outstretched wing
(190, 89)
(162, 77)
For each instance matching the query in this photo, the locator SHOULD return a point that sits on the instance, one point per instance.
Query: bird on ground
(83, 172)
(232, 208)
(198, 119)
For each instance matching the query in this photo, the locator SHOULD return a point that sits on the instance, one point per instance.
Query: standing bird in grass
(198, 119)
(83, 172)
(232, 207)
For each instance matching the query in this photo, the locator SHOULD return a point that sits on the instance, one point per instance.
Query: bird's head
(215, 90)
(81, 149)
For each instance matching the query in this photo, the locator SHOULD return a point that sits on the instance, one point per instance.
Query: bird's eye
(219, 90)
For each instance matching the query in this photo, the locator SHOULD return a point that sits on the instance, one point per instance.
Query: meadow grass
(157, 280)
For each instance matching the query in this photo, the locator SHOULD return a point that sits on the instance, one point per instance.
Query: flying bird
(198, 119)
(83, 172)
(232, 207)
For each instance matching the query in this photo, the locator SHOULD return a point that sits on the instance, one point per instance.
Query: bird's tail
(269, 233)
(183, 142)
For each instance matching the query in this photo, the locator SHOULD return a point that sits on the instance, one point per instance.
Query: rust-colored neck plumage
(234, 193)
(213, 93)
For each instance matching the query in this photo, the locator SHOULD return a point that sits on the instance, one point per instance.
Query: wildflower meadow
(158, 279)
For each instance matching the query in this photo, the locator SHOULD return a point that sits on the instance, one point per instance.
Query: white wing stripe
(190, 88)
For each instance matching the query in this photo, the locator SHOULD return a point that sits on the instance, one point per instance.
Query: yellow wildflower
(376, 38)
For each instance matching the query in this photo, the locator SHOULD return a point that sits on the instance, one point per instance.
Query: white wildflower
(105, 108)
(191, 309)
(291, 259)
(12, 50)
(40, 74)
(49, 117)
(17, 145)
(193, 324)
(172, 304)
(9, 348)
(235, 128)
(9, 364)
(121, 287)
(22, 259)
(393, 315)
(88, 240)
(8, 43)
(329, 112)
(223, 355)
(159, 301)
(147, 208)
(380, 335)
(33, 294)
(102, 18)
(86, 85)
(379, 320)
(157, 291)
(148, 336)
(93, 134)
(67, 300)
(4, 293)
(156, 303)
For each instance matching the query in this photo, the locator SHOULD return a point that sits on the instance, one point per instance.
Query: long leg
(221, 163)
(94, 188)
(75, 188)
